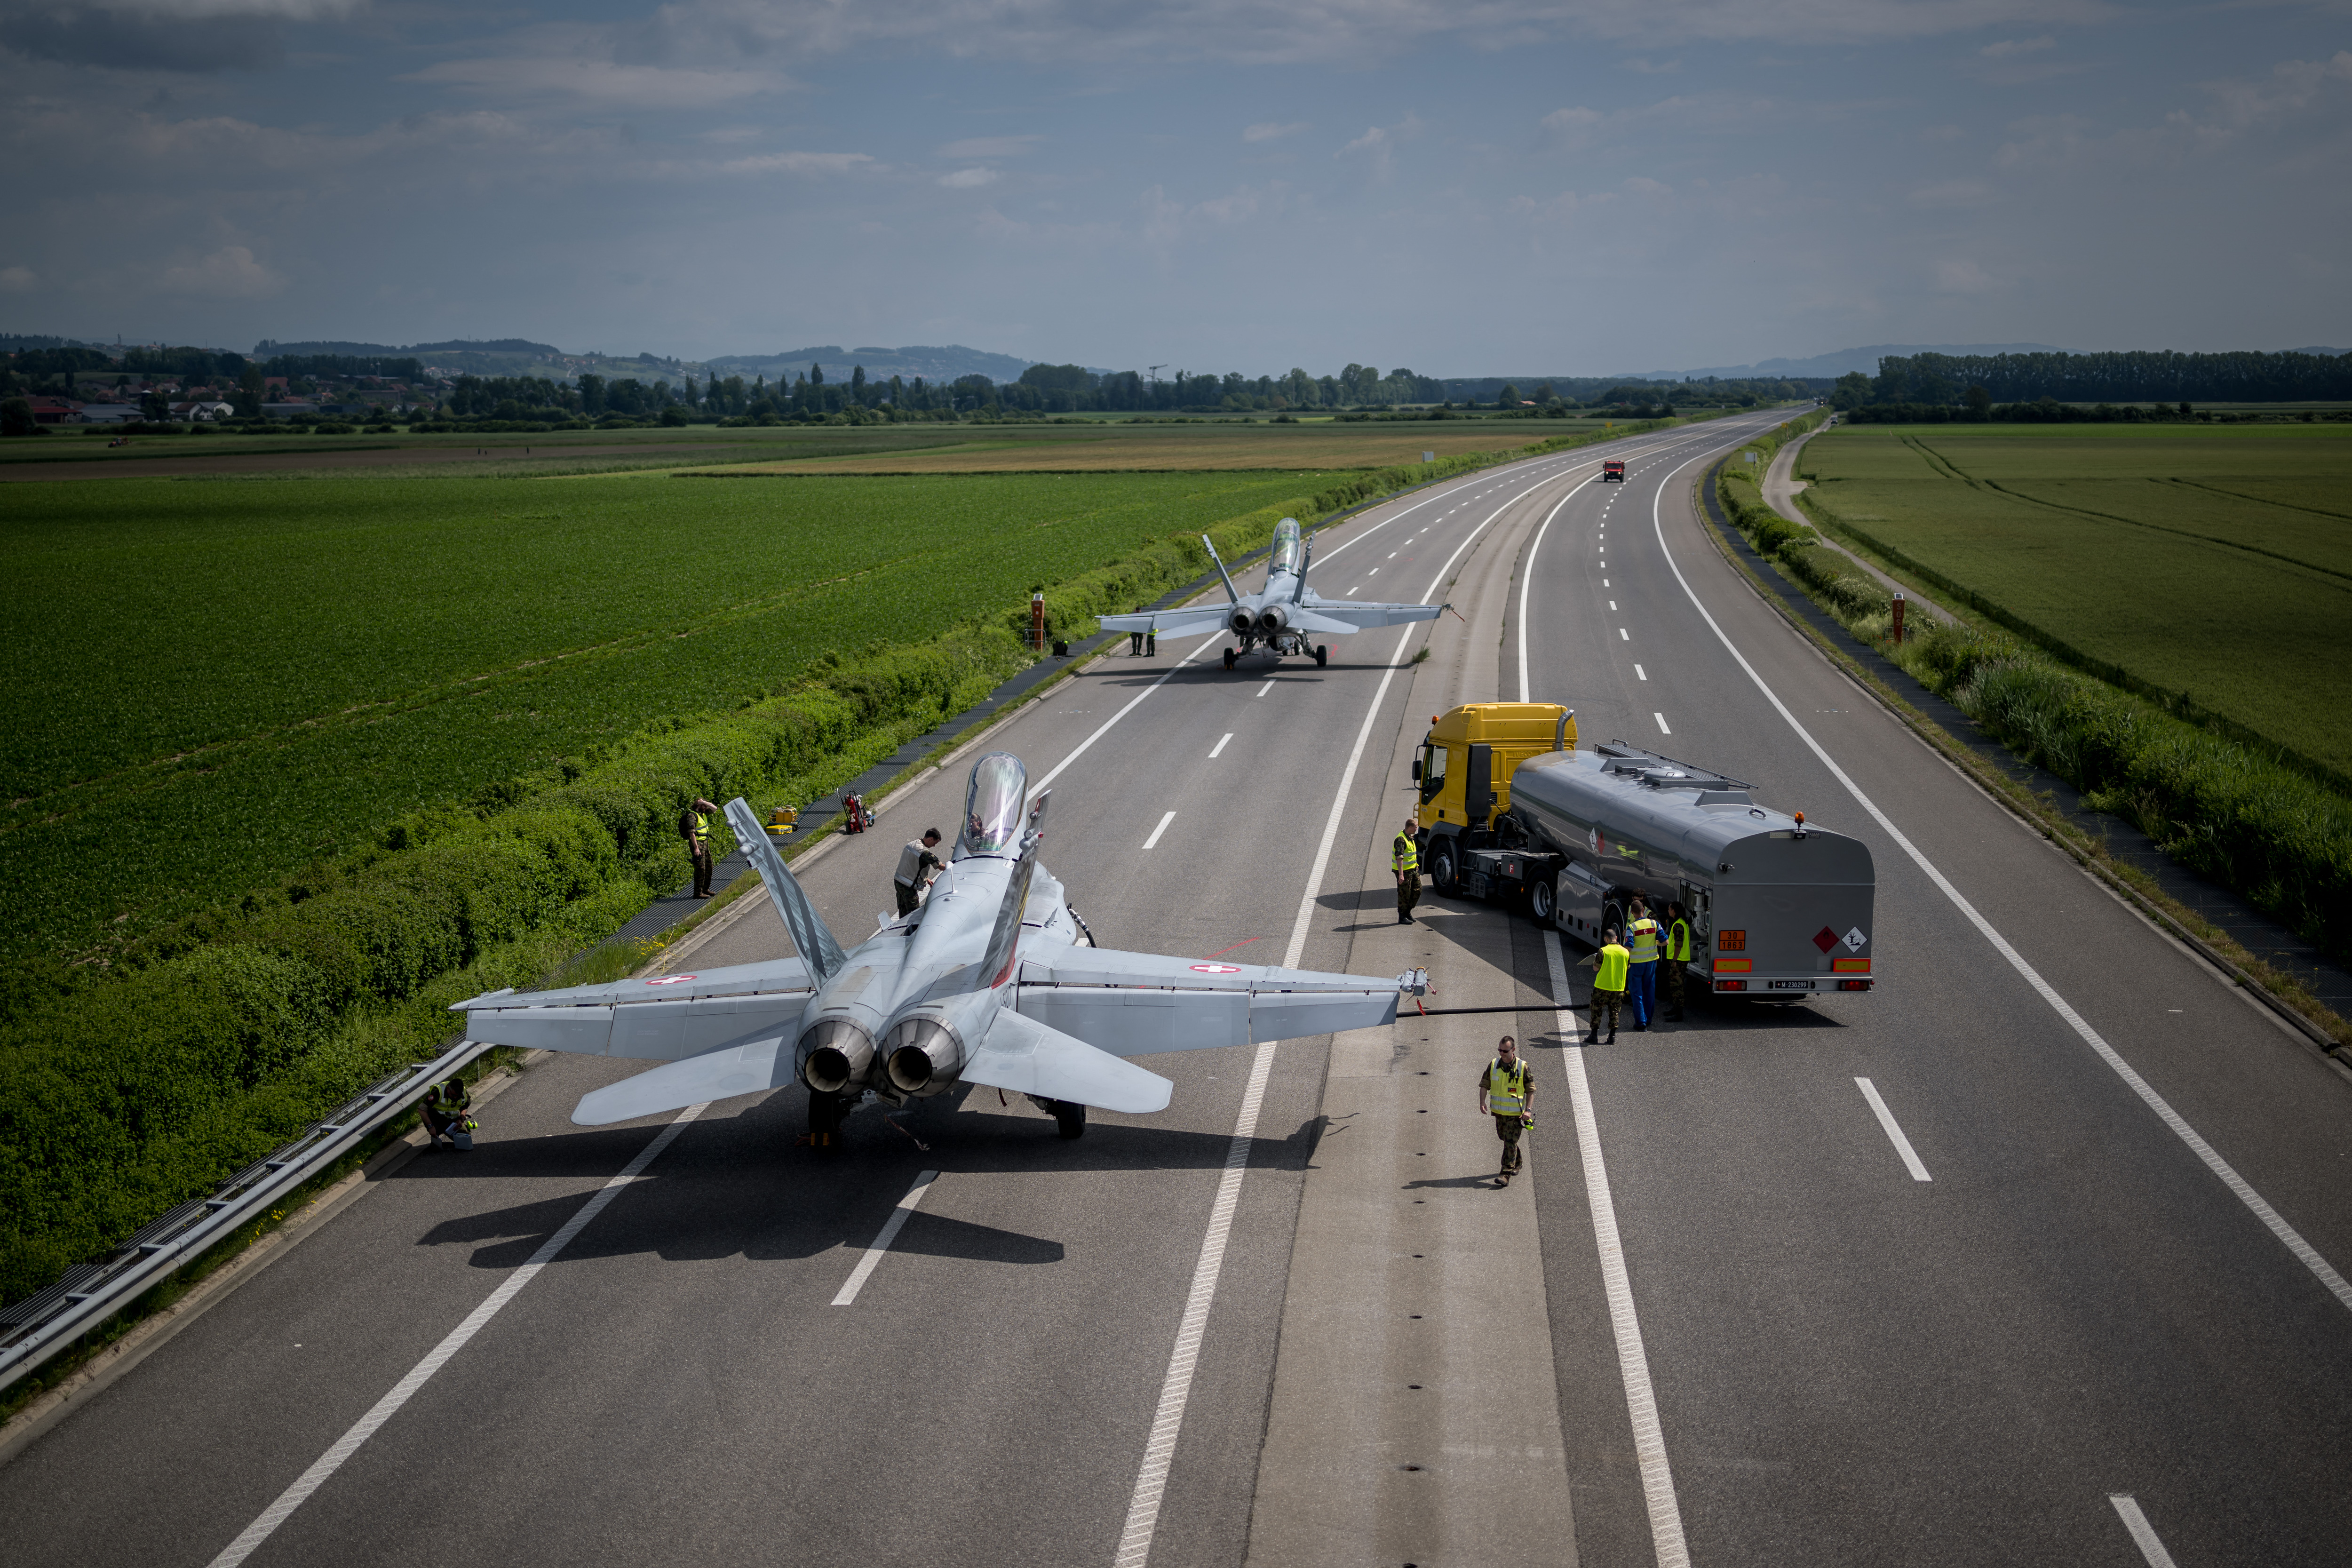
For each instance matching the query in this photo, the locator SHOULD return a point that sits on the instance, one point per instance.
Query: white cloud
(1642, 186)
(1379, 144)
(17, 280)
(204, 10)
(798, 163)
(2007, 47)
(990, 147)
(1272, 131)
(1962, 277)
(970, 179)
(1963, 192)
(229, 273)
(602, 81)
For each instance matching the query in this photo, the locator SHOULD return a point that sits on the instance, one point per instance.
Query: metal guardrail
(48, 1321)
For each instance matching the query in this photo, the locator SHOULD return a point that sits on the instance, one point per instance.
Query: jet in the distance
(993, 980)
(1282, 614)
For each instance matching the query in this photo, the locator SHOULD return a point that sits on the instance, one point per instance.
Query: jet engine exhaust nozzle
(1271, 620)
(922, 1057)
(835, 1054)
(1241, 621)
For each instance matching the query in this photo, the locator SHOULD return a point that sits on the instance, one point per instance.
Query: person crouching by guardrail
(444, 1109)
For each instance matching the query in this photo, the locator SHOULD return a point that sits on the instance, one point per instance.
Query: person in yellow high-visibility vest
(1641, 981)
(1678, 951)
(1506, 1091)
(694, 826)
(1404, 859)
(1610, 962)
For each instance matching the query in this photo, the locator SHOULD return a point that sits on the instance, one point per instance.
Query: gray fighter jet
(1282, 614)
(992, 980)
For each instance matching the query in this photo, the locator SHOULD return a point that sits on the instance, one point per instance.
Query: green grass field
(2213, 563)
(210, 683)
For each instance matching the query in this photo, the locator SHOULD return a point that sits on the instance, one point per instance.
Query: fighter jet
(1282, 614)
(993, 980)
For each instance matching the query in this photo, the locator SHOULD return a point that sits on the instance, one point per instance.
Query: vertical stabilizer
(1220, 560)
(1306, 559)
(810, 935)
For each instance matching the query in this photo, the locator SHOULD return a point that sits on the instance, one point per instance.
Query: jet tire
(1322, 655)
(1229, 658)
(1069, 1119)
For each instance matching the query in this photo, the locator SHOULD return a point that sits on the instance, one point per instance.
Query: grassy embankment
(395, 742)
(2233, 605)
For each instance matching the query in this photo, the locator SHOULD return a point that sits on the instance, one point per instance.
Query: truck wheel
(1539, 903)
(1442, 877)
(1229, 658)
(1613, 918)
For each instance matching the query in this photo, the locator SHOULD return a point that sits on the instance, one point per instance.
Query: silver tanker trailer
(1778, 908)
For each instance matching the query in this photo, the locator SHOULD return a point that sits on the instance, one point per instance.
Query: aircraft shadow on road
(745, 1189)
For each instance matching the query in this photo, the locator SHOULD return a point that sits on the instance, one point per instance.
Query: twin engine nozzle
(1271, 620)
(919, 1056)
(1241, 621)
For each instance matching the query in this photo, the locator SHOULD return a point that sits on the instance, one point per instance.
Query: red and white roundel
(669, 980)
(1217, 969)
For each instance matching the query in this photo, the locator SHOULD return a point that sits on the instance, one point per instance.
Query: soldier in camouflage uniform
(1506, 1091)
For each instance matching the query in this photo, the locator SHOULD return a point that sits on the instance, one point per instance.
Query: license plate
(1788, 985)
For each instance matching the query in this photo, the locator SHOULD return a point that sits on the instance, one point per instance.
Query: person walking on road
(694, 826)
(1678, 951)
(1404, 859)
(918, 862)
(1135, 645)
(1641, 983)
(1608, 985)
(1508, 1094)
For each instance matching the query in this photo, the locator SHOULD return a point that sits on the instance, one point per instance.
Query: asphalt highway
(1849, 1365)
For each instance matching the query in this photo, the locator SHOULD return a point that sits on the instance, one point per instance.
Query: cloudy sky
(1462, 186)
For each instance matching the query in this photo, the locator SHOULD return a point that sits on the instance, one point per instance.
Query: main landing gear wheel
(826, 1114)
(1229, 658)
(1070, 1119)
(1322, 655)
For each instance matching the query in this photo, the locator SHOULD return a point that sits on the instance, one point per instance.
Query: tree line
(2160, 376)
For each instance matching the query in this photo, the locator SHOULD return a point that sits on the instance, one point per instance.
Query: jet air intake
(1271, 620)
(835, 1054)
(922, 1057)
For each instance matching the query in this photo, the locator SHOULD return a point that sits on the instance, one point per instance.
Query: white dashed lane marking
(1159, 831)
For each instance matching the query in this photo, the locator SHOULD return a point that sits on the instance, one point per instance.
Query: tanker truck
(1512, 811)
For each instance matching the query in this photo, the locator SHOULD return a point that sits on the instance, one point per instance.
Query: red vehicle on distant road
(1612, 469)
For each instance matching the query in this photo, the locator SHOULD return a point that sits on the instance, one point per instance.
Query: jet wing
(661, 1017)
(1199, 621)
(1364, 618)
(1139, 1003)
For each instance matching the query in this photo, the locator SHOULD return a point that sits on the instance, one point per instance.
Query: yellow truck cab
(1464, 773)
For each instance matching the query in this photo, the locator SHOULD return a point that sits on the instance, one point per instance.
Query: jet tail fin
(996, 966)
(1306, 559)
(809, 933)
(1220, 560)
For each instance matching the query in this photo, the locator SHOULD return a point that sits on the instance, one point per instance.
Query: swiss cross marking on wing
(668, 980)
(1825, 939)
(1217, 969)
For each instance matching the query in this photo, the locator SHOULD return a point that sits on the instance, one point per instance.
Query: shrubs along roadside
(127, 1089)
(2264, 829)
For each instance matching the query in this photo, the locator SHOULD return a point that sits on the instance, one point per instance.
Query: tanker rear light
(1732, 985)
(1854, 985)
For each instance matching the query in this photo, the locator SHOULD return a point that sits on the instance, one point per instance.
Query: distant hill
(1840, 362)
(932, 364)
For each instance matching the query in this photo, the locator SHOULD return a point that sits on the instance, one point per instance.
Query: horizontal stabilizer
(1303, 619)
(747, 1068)
(1364, 618)
(1026, 1057)
(1196, 622)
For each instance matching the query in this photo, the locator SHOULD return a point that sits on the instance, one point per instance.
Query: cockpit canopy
(992, 806)
(1289, 555)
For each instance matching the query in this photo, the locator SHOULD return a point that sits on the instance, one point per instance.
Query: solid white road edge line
(1176, 1387)
(327, 1463)
(1632, 1358)
(1894, 1131)
(1159, 831)
(2303, 1251)
(2143, 1533)
(1105, 727)
(887, 1235)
